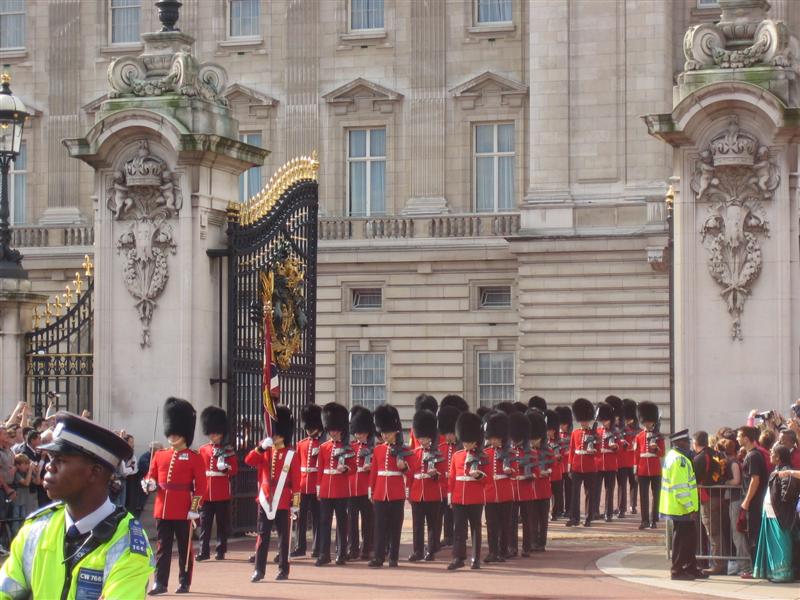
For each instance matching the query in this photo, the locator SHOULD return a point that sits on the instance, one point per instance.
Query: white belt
(648, 455)
(584, 452)
(422, 476)
(496, 477)
(216, 474)
(362, 470)
(390, 473)
(604, 451)
(332, 472)
(465, 478)
(523, 477)
(308, 469)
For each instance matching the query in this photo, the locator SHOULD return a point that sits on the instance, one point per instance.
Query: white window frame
(369, 160)
(111, 10)
(477, 23)
(350, 28)
(14, 217)
(23, 12)
(495, 155)
(487, 288)
(244, 178)
(351, 386)
(228, 24)
(513, 383)
(366, 291)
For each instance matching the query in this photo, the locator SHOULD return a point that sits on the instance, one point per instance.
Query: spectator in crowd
(15, 436)
(7, 492)
(38, 424)
(128, 469)
(142, 467)
(773, 558)
(712, 503)
(733, 494)
(754, 481)
(30, 448)
(25, 501)
(767, 439)
(788, 438)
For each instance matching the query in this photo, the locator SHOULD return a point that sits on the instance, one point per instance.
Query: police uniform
(359, 508)
(308, 451)
(104, 554)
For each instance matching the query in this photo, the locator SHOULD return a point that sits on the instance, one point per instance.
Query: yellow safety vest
(118, 569)
(678, 486)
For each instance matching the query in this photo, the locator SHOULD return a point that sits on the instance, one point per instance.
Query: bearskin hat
(552, 419)
(214, 420)
(629, 408)
(538, 424)
(605, 412)
(424, 425)
(334, 417)
(387, 419)
(311, 417)
(616, 404)
(468, 427)
(583, 410)
(456, 401)
(180, 418)
(447, 417)
(648, 411)
(283, 424)
(496, 425)
(520, 407)
(537, 402)
(506, 407)
(427, 402)
(564, 415)
(519, 427)
(483, 412)
(361, 420)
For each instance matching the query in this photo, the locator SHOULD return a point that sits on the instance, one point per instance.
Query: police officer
(82, 546)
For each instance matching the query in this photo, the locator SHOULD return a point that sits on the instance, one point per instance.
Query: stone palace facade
(492, 206)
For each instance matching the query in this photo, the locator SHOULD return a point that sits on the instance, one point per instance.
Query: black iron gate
(274, 232)
(59, 350)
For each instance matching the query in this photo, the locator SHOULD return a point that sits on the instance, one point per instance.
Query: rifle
(430, 457)
(220, 454)
(590, 439)
(475, 459)
(653, 437)
(525, 460)
(545, 456)
(345, 451)
(399, 450)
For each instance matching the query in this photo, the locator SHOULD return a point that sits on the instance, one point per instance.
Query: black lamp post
(12, 119)
(669, 200)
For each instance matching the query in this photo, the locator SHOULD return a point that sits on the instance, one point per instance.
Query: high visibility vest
(678, 486)
(116, 570)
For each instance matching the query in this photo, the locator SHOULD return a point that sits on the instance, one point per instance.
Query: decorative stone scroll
(735, 175)
(145, 193)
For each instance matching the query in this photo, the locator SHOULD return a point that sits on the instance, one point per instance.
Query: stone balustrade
(42, 237)
(411, 227)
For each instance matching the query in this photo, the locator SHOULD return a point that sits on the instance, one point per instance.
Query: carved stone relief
(146, 194)
(735, 175)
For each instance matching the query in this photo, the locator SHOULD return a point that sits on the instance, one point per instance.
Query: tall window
(368, 379)
(494, 167)
(250, 180)
(17, 186)
(493, 11)
(12, 24)
(366, 171)
(366, 14)
(707, 3)
(245, 18)
(125, 17)
(495, 377)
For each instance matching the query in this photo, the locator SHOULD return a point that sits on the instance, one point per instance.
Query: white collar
(90, 521)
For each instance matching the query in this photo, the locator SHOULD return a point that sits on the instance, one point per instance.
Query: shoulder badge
(138, 540)
(45, 510)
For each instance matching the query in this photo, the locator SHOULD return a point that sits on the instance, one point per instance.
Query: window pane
(484, 138)
(493, 11)
(358, 189)
(368, 298)
(377, 142)
(19, 186)
(12, 24)
(125, 16)
(368, 379)
(377, 199)
(366, 14)
(358, 143)
(245, 16)
(495, 297)
(253, 181)
(505, 183)
(484, 184)
(505, 138)
(495, 377)
(21, 162)
(250, 180)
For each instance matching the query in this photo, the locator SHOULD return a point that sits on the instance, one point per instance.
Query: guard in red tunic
(178, 476)
(279, 492)
(519, 432)
(499, 483)
(221, 466)
(582, 466)
(561, 505)
(626, 480)
(606, 459)
(427, 402)
(337, 460)
(359, 506)
(541, 480)
(553, 447)
(428, 471)
(467, 485)
(387, 484)
(649, 450)
(450, 408)
(308, 451)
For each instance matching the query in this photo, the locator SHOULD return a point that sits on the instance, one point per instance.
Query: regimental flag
(270, 384)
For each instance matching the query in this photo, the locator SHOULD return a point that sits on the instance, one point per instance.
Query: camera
(765, 416)
(796, 410)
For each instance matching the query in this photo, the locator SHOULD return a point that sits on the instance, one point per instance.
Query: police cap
(76, 435)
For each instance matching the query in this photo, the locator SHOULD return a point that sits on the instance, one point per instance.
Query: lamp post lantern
(12, 120)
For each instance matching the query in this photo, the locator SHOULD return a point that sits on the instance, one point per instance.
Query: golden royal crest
(283, 293)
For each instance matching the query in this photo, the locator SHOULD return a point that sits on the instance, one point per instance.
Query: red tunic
(386, 481)
(447, 450)
(627, 455)
(308, 451)
(463, 488)
(499, 485)
(523, 484)
(359, 477)
(554, 455)
(180, 475)
(563, 447)
(607, 457)
(541, 480)
(333, 484)
(425, 488)
(270, 463)
(581, 453)
(218, 483)
(648, 461)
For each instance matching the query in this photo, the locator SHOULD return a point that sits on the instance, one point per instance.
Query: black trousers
(327, 508)
(166, 530)
(684, 543)
(388, 527)
(558, 497)
(463, 514)
(649, 484)
(520, 512)
(283, 526)
(309, 504)
(360, 506)
(626, 479)
(607, 480)
(498, 516)
(566, 478)
(221, 510)
(539, 520)
(587, 481)
(753, 527)
(422, 513)
(447, 524)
